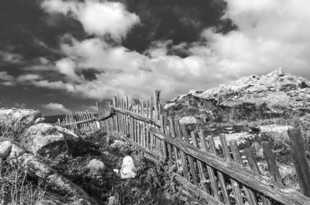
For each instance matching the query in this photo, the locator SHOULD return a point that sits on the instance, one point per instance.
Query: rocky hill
(250, 110)
(273, 95)
(274, 98)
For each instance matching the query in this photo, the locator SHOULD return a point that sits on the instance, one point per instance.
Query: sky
(65, 55)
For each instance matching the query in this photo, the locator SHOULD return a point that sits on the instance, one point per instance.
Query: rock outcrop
(14, 121)
(37, 137)
(36, 167)
(274, 98)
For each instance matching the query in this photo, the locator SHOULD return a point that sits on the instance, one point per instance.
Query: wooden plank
(251, 158)
(223, 188)
(213, 183)
(237, 192)
(235, 152)
(300, 159)
(156, 105)
(199, 193)
(225, 148)
(185, 135)
(250, 196)
(200, 166)
(271, 161)
(256, 182)
(126, 116)
(185, 166)
(227, 157)
(192, 169)
(136, 116)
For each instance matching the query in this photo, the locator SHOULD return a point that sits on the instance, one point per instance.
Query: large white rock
(128, 169)
(188, 120)
(5, 148)
(95, 166)
(40, 135)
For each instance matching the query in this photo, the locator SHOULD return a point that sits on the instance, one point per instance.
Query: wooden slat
(250, 196)
(227, 157)
(235, 152)
(300, 159)
(192, 169)
(237, 192)
(199, 193)
(211, 173)
(223, 188)
(271, 161)
(135, 115)
(250, 154)
(256, 182)
(200, 166)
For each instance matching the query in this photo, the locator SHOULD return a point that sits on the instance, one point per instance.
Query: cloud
(97, 17)
(10, 57)
(67, 67)
(268, 37)
(6, 79)
(28, 78)
(56, 107)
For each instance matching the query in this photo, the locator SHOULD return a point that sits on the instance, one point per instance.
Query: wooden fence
(82, 122)
(214, 172)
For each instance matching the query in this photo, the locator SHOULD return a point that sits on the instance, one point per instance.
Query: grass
(16, 188)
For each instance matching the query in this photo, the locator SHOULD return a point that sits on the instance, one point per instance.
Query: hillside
(251, 110)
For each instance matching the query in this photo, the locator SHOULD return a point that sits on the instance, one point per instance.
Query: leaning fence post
(300, 160)
(156, 105)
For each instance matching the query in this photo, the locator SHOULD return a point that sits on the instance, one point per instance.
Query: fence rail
(216, 172)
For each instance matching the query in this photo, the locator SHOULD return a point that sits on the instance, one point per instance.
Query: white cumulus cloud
(97, 17)
(56, 107)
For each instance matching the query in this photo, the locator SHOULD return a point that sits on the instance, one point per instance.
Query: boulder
(5, 149)
(274, 95)
(35, 167)
(95, 167)
(128, 169)
(45, 202)
(113, 200)
(15, 120)
(188, 120)
(42, 135)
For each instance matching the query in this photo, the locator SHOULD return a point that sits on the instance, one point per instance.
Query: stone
(95, 166)
(188, 120)
(45, 202)
(5, 149)
(113, 200)
(16, 120)
(128, 169)
(15, 152)
(41, 135)
(36, 167)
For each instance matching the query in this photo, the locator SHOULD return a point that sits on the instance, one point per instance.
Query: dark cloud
(89, 74)
(176, 20)
(27, 30)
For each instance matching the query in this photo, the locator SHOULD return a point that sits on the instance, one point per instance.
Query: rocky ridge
(251, 110)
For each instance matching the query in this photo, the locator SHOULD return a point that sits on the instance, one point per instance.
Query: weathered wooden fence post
(300, 160)
(157, 105)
